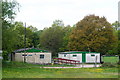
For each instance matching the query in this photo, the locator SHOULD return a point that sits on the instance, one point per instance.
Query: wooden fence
(65, 61)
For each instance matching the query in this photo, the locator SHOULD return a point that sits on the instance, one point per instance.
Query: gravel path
(78, 66)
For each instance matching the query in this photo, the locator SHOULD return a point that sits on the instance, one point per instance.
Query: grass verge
(24, 70)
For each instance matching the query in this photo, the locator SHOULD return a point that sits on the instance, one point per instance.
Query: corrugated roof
(29, 50)
(75, 52)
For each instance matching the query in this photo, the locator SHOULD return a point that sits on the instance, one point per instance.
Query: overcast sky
(42, 13)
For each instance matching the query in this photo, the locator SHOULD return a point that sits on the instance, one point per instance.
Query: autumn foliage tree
(92, 33)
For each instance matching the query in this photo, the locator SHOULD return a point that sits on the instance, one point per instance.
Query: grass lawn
(112, 59)
(24, 70)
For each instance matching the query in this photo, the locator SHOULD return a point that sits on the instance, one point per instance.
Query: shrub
(5, 55)
(108, 64)
(118, 63)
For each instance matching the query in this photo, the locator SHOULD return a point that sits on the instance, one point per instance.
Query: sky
(42, 13)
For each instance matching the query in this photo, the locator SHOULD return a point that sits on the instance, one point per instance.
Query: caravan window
(74, 55)
(29, 55)
(42, 56)
(92, 55)
(64, 55)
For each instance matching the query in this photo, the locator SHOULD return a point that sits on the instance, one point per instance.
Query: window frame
(74, 55)
(92, 55)
(65, 55)
(42, 56)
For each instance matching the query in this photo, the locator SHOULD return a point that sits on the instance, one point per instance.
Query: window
(29, 55)
(24, 55)
(74, 55)
(92, 55)
(42, 56)
(64, 55)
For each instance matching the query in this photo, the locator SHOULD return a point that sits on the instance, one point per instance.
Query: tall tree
(92, 33)
(9, 9)
(114, 50)
(66, 33)
(35, 36)
(115, 25)
(52, 37)
(119, 43)
(19, 27)
(32, 35)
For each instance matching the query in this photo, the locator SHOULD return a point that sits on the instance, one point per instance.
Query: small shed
(83, 57)
(32, 55)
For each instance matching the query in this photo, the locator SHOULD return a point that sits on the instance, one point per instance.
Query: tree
(58, 23)
(19, 27)
(32, 37)
(119, 44)
(9, 9)
(52, 37)
(114, 50)
(115, 25)
(66, 31)
(92, 33)
(34, 29)
(13, 32)
(15, 35)
(35, 36)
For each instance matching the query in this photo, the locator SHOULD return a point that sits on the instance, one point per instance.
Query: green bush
(118, 63)
(108, 64)
(5, 55)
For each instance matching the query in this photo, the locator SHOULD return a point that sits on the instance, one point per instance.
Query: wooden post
(25, 43)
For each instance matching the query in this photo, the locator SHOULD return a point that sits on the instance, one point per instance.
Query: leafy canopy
(92, 33)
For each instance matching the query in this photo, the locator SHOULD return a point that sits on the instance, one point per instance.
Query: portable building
(32, 55)
(83, 57)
